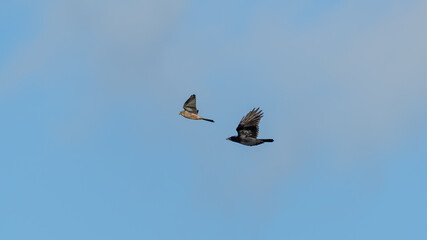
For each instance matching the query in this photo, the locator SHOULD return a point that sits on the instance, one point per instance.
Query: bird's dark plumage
(248, 126)
(247, 131)
(190, 105)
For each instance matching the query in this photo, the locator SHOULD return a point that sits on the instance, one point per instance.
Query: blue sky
(92, 146)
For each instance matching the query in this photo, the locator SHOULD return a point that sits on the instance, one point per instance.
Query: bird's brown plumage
(190, 110)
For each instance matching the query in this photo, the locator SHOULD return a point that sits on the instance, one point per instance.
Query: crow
(247, 131)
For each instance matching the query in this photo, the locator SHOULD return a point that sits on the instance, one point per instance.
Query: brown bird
(247, 131)
(190, 110)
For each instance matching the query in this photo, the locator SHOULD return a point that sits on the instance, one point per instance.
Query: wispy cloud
(345, 94)
(118, 40)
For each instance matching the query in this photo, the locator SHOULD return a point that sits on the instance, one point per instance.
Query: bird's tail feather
(209, 120)
(267, 140)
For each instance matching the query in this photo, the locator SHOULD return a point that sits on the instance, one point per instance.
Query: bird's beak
(227, 139)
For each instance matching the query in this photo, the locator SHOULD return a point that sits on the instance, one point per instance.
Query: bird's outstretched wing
(248, 126)
(190, 105)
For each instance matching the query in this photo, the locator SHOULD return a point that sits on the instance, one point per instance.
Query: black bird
(247, 131)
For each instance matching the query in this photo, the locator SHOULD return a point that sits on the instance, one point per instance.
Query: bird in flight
(190, 110)
(247, 131)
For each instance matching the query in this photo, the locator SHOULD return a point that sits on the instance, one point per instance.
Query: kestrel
(190, 110)
(247, 131)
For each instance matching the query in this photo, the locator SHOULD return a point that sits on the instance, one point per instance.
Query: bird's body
(249, 141)
(190, 110)
(247, 131)
(190, 115)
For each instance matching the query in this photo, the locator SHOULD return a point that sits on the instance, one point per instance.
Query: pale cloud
(117, 39)
(360, 85)
(348, 94)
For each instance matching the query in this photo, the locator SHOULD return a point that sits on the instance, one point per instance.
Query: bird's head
(233, 138)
